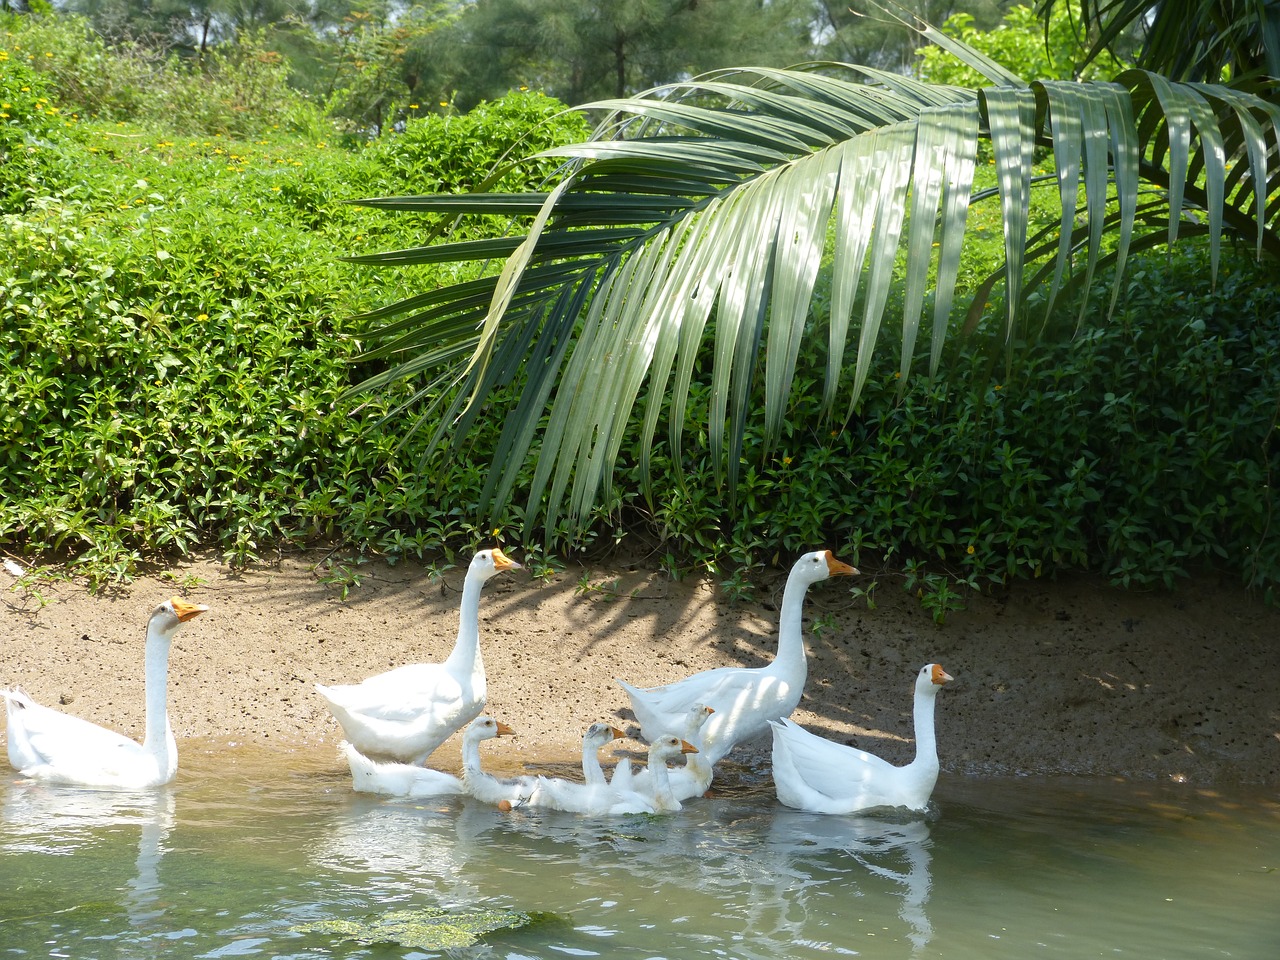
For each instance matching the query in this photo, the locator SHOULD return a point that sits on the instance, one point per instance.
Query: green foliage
(584, 50)
(1020, 43)
(238, 90)
(455, 153)
(1143, 450)
(176, 334)
(385, 71)
(29, 123)
(1214, 41)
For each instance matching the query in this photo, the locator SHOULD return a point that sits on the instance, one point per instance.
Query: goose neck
(156, 680)
(470, 757)
(662, 792)
(592, 771)
(926, 738)
(466, 649)
(790, 625)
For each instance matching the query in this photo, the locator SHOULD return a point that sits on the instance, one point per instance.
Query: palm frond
(710, 209)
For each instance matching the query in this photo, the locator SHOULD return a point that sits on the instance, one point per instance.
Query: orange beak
(186, 611)
(838, 568)
(504, 730)
(687, 747)
(502, 562)
(941, 676)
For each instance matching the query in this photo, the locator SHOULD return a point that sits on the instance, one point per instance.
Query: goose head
(492, 561)
(819, 565)
(931, 678)
(486, 728)
(668, 747)
(598, 734)
(697, 716)
(173, 613)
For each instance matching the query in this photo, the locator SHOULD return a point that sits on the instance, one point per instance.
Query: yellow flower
(970, 550)
(202, 316)
(786, 461)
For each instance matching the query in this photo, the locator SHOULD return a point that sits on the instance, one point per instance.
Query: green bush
(455, 153)
(30, 119)
(176, 334)
(1143, 450)
(177, 331)
(235, 90)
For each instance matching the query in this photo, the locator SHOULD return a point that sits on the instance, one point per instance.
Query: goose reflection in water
(404, 845)
(802, 845)
(778, 876)
(65, 821)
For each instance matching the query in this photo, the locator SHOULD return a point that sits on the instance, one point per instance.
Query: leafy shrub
(456, 153)
(30, 118)
(175, 338)
(1142, 450)
(237, 90)
(176, 333)
(95, 80)
(1020, 43)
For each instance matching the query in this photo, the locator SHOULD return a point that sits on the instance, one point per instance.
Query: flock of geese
(395, 720)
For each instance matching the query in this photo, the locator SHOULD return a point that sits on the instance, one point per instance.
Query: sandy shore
(1052, 677)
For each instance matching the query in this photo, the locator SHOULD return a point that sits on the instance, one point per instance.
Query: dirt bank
(1052, 677)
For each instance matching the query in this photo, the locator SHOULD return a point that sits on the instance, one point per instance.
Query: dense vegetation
(178, 336)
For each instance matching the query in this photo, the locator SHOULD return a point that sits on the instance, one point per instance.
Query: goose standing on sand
(815, 774)
(46, 744)
(407, 712)
(744, 699)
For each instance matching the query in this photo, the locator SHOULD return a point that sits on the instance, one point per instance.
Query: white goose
(814, 774)
(46, 744)
(605, 799)
(597, 735)
(691, 780)
(745, 699)
(398, 779)
(407, 712)
(485, 787)
(666, 747)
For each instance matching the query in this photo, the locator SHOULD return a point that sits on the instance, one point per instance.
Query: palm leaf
(708, 210)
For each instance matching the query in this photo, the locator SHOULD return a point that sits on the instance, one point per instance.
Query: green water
(234, 858)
